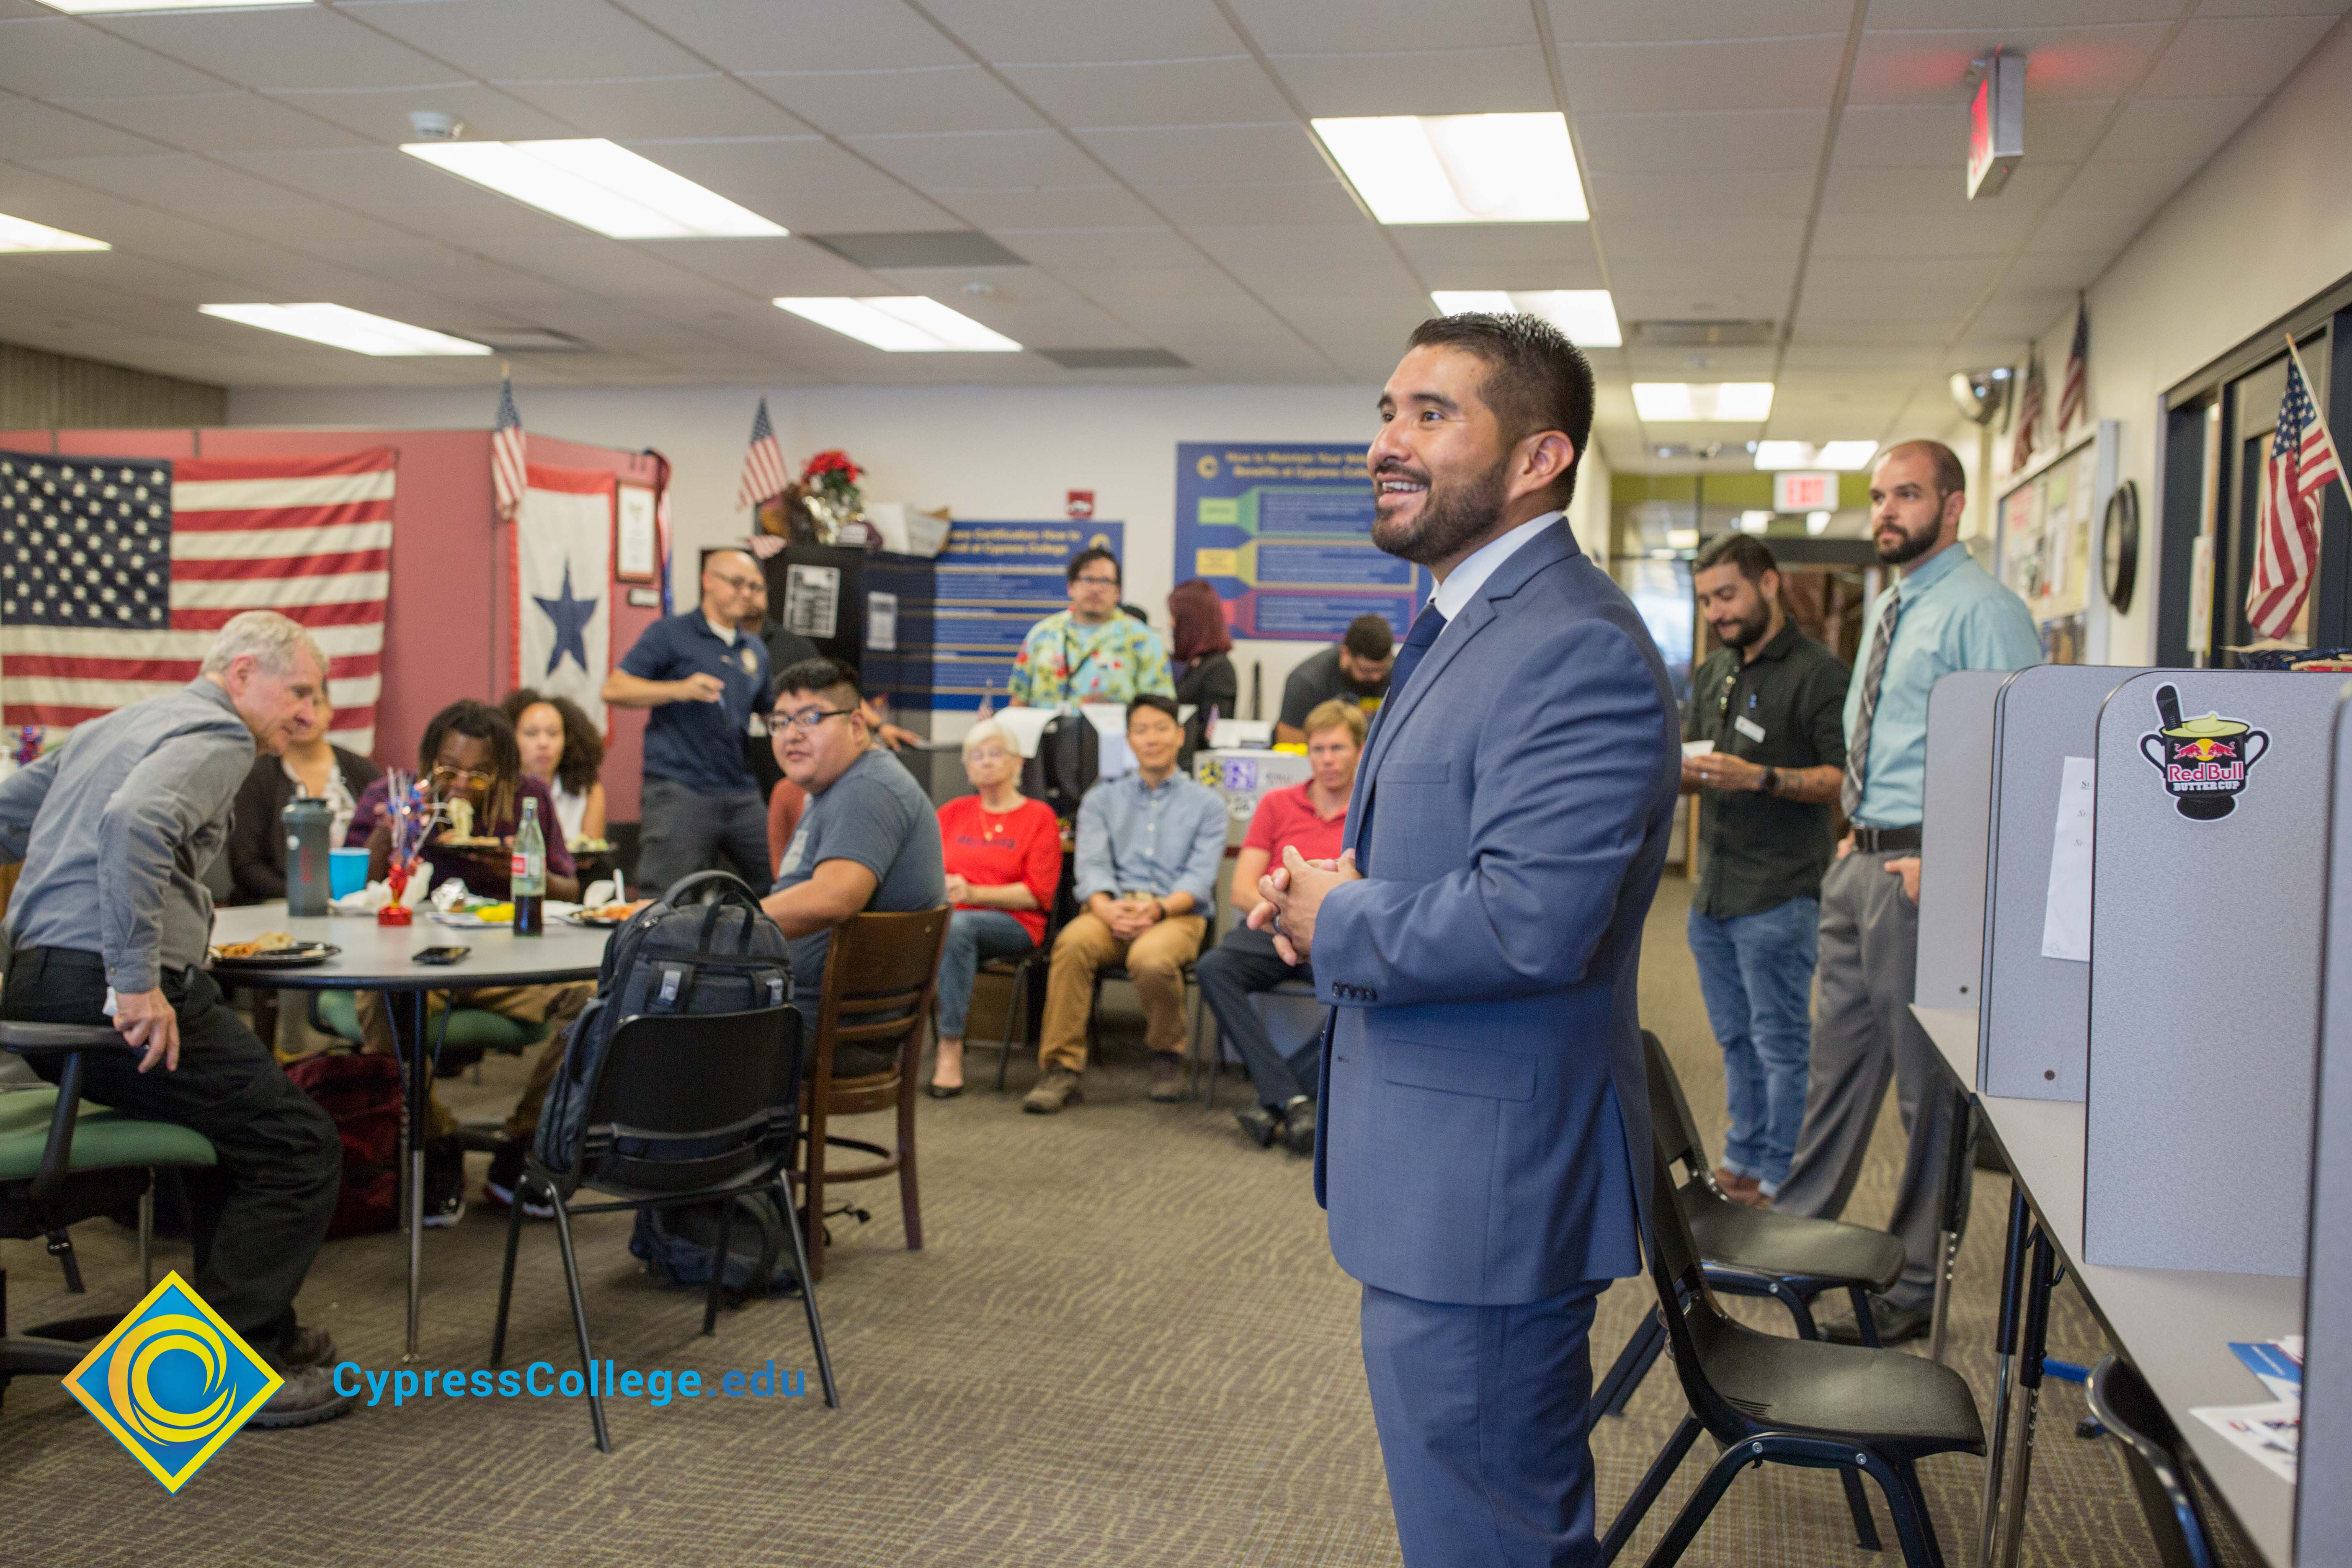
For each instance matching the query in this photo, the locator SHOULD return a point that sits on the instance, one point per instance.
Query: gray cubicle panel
(2322, 1514)
(2206, 891)
(1956, 793)
(2034, 1029)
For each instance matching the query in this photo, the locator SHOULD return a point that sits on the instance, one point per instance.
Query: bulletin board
(2046, 545)
(992, 583)
(1283, 531)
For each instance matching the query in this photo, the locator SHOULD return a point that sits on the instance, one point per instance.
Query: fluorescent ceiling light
(1588, 316)
(23, 234)
(901, 324)
(1846, 456)
(85, 7)
(1755, 521)
(1817, 523)
(340, 327)
(1459, 168)
(1687, 402)
(599, 186)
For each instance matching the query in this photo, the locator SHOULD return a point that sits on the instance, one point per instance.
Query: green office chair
(64, 1159)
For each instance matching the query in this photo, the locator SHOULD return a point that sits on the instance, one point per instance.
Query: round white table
(382, 959)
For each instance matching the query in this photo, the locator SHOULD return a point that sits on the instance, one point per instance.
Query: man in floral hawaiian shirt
(1090, 652)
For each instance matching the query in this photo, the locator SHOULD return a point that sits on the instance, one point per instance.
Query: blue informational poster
(1284, 532)
(992, 583)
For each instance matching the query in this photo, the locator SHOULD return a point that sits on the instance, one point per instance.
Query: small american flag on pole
(2028, 414)
(116, 572)
(507, 480)
(763, 463)
(2303, 459)
(2074, 389)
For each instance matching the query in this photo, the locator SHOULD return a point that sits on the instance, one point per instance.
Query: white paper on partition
(2271, 1433)
(1110, 720)
(2066, 919)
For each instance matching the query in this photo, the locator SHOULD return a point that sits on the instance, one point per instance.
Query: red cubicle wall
(446, 620)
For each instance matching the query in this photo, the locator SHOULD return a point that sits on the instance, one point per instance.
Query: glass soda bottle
(528, 886)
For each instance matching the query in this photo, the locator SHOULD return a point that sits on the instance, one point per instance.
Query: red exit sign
(1801, 491)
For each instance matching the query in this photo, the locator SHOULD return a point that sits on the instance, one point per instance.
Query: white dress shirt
(1461, 584)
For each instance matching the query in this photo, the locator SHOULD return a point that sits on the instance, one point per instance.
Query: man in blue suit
(1485, 1134)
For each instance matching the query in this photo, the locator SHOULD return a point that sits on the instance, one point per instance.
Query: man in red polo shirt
(1314, 818)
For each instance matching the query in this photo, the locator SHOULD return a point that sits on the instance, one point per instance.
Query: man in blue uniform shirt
(704, 678)
(1484, 1137)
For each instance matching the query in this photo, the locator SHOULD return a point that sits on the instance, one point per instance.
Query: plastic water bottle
(527, 887)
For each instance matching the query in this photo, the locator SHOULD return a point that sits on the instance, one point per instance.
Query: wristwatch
(1771, 782)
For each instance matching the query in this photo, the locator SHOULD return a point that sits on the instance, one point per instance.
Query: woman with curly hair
(562, 749)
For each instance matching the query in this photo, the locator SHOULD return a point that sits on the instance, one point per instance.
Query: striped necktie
(1857, 747)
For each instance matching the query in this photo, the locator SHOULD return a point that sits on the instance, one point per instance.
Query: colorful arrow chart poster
(992, 583)
(1284, 532)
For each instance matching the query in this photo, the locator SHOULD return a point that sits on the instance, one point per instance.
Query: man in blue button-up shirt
(1945, 613)
(1148, 847)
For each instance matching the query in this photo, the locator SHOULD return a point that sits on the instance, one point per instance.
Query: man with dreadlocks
(470, 754)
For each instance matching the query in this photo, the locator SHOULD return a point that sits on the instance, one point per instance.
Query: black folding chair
(2129, 1410)
(1790, 1402)
(683, 1110)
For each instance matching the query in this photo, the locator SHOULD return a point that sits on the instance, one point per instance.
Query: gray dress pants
(1864, 1035)
(685, 831)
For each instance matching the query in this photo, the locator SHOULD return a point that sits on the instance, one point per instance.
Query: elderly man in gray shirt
(109, 922)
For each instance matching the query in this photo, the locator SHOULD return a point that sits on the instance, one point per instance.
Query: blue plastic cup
(346, 871)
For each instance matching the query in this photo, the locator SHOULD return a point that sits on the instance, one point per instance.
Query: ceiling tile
(767, 267)
(2097, 231)
(1078, 30)
(1102, 206)
(1648, 21)
(926, 99)
(1448, 81)
(1297, 201)
(1979, 232)
(530, 41)
(303, 46)
(1736, 193)
(216, 122)
(2242, 55)
(1909, 191)
(1223, 90)
(1303, 26)
(59, 56)
(31, 130)
(1274, 152)
(1521, 249)
(1066, 250)
(1935, 15)
(174, 182)
(2061, 62)
(802, 35)
(660, 109)
(983, 161)
(1936, 135)
(2128, 185)
(1757, 73)
(1678, 236)
(491, 114)
(2190, 128)
(1673, 143)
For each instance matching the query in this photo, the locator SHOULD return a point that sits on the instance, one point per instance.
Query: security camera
(1979, 393)
(432, 125)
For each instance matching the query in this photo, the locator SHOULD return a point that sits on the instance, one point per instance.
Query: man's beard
(1452, 517)
(1913, 547)
(1746, 630)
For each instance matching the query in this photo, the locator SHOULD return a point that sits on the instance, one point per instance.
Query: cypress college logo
(173, 1383)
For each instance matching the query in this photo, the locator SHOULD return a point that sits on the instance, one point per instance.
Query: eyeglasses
(462, 775)
(986, 754)
(741, 585)
(1095, 581)
(805, 723)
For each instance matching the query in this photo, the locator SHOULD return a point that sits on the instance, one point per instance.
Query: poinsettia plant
(833, 473)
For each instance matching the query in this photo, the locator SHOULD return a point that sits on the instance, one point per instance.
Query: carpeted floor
(1125, 1342)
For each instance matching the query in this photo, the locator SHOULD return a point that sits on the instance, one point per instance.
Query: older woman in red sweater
(1003, 858)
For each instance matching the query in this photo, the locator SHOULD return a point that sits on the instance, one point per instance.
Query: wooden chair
(879, 975)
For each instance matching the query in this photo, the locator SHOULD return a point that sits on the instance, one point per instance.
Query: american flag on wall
(115, 574)
(2076, 387)
(2303, 460)
(763, 463)
(2029, 415)
(507, 478)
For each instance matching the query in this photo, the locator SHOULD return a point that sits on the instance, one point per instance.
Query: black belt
(1883, 840)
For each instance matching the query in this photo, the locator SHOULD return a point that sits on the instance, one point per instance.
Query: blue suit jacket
(1485, 1126)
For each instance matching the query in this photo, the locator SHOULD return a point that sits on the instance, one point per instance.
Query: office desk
(2173, 1325)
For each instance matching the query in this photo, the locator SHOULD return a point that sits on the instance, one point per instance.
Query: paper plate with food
(478, 914)
(607, 914)
(273, 950)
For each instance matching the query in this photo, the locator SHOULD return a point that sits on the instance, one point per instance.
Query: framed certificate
(634, 540)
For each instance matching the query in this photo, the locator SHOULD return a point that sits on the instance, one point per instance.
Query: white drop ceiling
(1790, 161)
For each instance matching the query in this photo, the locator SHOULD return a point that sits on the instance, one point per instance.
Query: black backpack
(703, 947)
(680, 1245)
(1069, 756)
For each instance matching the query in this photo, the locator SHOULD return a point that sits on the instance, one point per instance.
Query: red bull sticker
(2206, 760)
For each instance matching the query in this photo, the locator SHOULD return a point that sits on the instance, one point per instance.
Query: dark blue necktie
(1425, 627)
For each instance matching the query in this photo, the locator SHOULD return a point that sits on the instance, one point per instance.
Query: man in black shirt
(1769, 708)
(1357, 671)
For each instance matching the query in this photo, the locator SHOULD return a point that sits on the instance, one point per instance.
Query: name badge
(750, 662)
(1748, 727)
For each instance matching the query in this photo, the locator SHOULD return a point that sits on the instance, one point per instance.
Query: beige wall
(2262, 228)
(40, 391)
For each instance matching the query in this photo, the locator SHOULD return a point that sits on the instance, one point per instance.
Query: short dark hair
(1537, 379)
(1370, 637)
(819, 675)
(584, 748)
(1087, 557)
(1158, 704)
(1951, 474)
(1743, 550)
(478, 721)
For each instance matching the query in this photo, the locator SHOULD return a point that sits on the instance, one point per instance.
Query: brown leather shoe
(1055, 1090)
(1166, 1068)
(1739, 1189)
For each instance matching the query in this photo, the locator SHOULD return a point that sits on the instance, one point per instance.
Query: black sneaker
(1260, 1123)
(506, 1174)
(1298, 1125)
(307, 1397)
(444, 1182)
(301, 1347)
(1894, 1324)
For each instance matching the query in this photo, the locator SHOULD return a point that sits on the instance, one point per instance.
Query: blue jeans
(972, 935)
(1757, 973)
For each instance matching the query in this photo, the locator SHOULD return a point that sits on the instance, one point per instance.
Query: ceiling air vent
(1116, 359)
(938, 247)
(1701, 334)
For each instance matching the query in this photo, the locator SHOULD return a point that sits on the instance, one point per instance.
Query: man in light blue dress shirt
(1943, 614)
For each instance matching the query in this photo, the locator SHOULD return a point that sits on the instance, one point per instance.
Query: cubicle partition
(2213, 802)
(1953, 838)
(2323, 1522)
(2033, 1029)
